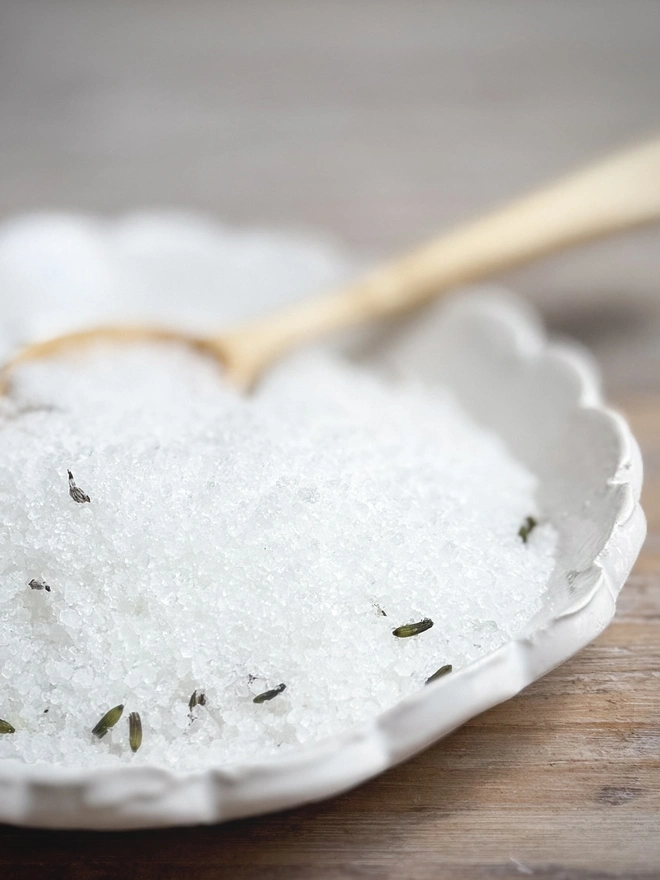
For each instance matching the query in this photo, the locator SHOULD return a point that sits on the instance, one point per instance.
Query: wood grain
(382, 121)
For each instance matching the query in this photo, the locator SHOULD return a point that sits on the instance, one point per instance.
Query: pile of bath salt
(209, 548)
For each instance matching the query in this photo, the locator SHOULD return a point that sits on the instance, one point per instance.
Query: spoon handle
(607, 197)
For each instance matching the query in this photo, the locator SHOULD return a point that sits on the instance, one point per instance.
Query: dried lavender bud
(412, 629)
(440, 673)
(5, 727)
(269, 695)
(38, 584)
(198, 698)
(524, 530)
(76, 492)
(134, 731)
(109, 720)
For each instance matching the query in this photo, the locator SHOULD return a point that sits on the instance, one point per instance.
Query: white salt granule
(232, 544)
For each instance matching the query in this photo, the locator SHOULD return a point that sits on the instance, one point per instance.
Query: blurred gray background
(377, 122)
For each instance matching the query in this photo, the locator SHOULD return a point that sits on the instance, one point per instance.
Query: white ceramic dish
(542, 399)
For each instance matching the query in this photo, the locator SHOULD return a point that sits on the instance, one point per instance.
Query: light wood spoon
(610, 196)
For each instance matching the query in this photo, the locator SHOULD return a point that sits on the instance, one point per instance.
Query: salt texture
(233, 544)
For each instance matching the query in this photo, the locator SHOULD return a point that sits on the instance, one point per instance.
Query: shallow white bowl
(544, 401)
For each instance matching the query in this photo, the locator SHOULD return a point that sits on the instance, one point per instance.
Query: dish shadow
(596, 324)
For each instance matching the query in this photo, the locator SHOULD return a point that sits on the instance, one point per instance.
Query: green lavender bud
(412, 629)
(109, 720)
(440, 673)
(134, 731)
(269, 695)
(524, 530)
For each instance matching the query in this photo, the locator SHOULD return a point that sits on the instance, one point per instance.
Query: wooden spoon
(610, 196)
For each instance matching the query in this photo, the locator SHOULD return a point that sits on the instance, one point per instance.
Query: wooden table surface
(379, 121)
